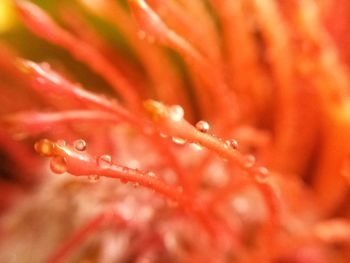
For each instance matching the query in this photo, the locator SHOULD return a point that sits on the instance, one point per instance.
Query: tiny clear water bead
(202, 126)
(80, 145)
(61, 143)
(178, 140)
(262, 174)
(176, 113)
(58, 165)
(104, 161)
(196, 146)
(151, 174)
(44, 147)
(232, 143)
(249, 161)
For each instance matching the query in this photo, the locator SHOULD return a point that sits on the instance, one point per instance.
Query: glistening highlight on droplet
(202, 126)
(104, 161)
(80, 145)
(44, 147)
(58, 164)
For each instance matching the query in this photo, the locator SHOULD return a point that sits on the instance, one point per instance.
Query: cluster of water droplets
(61, 143)
(45, 147)
(58, 164)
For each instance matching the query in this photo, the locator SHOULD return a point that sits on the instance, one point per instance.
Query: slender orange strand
(292, 137)
(151, 23)
(76, 240)
(254, 94)
(83, 164)
(55, 82)
(323, 69)
(162, 73)
(182, 129)
(39, 121)
(43, 26)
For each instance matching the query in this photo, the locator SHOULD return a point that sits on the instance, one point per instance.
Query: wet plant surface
(174, 131)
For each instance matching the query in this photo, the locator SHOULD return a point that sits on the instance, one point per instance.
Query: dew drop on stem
(262, 174)
(58, 165)
(104, 161)
(178, 140)
(196, 146)
(232, 143)
(176, 113)
(249, 161)
(61, 143)
(80, 145)
(151, 174)
(44, 147)
(202, 126)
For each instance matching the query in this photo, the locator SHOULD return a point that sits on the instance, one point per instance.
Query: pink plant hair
(205, 177)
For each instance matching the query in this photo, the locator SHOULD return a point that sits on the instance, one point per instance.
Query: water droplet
(58, 165)
(44, 147)
(232, 143)
(249, 161)
(262, 174)
(151, 174)
(196, 146)
(176, 113)
(61, 143)
(104, 161)
(202, 126)
(80, 145)
(93, 178)
(179, 141)
(163, 135)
